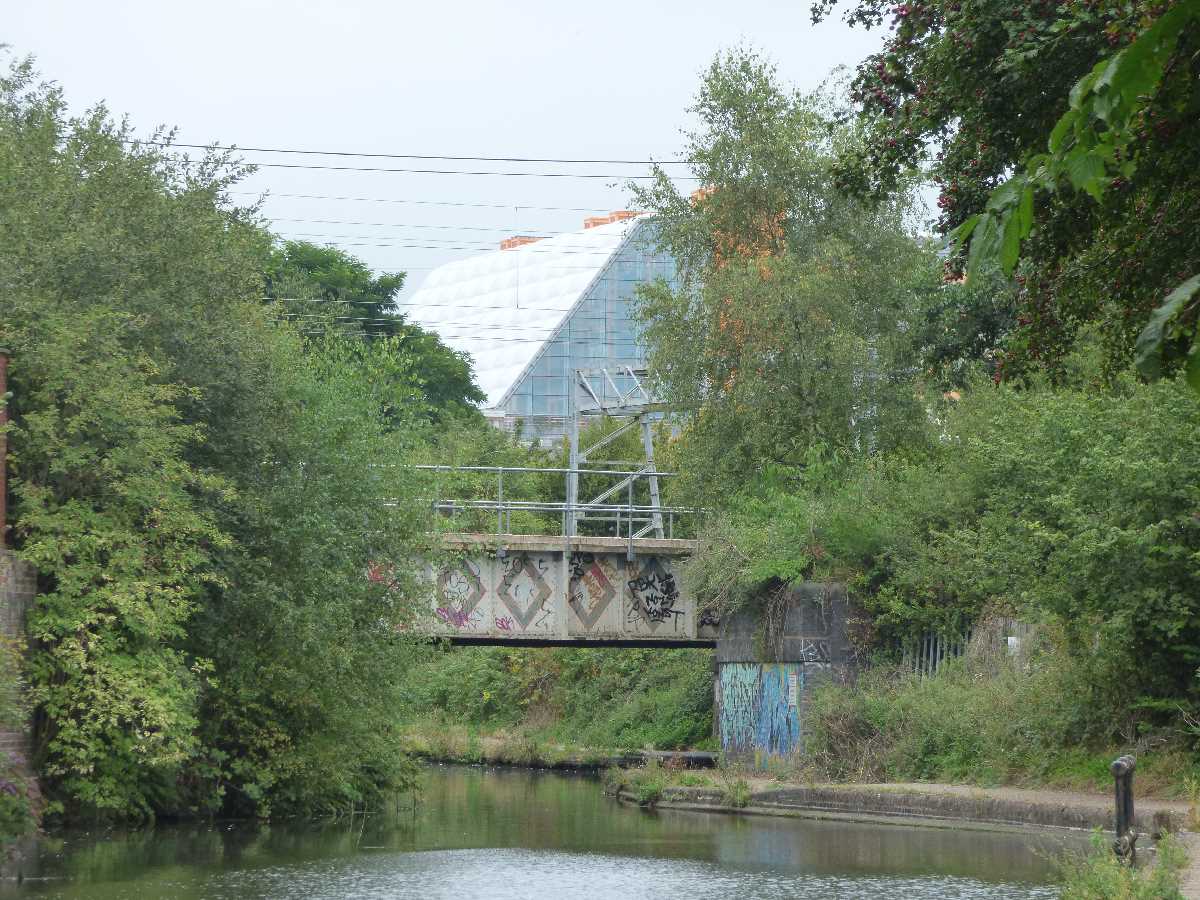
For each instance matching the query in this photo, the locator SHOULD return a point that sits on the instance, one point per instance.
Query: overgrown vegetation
(1088, 112)
(985, 719)
(199, 409)
(194, 479)
(1099, 876)
(876, 450)
(603, 699)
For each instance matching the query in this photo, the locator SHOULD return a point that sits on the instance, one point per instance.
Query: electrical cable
(610, 176)
(501, 159)
(503, 228)
(267, 195)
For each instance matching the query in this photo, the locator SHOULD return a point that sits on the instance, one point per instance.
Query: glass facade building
(529, 316)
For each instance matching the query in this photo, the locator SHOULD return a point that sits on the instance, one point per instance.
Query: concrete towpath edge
(946, 806)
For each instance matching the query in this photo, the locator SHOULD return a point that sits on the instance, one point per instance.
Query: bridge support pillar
(763, 680)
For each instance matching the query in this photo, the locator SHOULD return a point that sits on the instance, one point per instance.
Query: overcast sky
(603, 80)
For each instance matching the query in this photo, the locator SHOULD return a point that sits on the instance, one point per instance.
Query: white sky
(605, 79)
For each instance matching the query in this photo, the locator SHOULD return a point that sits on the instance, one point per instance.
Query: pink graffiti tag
(505, 623)
(456, 617)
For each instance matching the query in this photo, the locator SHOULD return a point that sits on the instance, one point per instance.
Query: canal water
(508, 834)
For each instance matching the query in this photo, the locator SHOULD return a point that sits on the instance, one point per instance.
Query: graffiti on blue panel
(759, 707)
(738, 684)
(778, 728)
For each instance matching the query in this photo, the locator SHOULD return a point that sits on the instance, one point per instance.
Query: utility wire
(610, 176)
(268, 195)
(457, 337)
(478, 247)
(500, 159)
(505, 228)
(489, 326)
(556, 248)
(430, 305)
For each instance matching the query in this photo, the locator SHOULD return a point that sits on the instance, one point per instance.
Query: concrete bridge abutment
(764, 676)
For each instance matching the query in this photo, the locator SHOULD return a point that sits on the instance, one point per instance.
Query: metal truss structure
(594, 393)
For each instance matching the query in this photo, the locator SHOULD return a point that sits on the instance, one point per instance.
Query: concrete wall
(564, 589)
(762, 685)
(18, 584)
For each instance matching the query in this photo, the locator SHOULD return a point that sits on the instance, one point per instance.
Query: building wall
(600, 333)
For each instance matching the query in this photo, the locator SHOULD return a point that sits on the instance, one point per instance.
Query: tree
(324, 287)
(785, 333)
(200, 487)
(974, 90)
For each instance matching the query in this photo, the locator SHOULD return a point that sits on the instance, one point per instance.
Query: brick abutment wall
(18, 584)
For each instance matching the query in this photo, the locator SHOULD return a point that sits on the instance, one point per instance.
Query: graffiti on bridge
(653, 596)
(459, 591)
(526, 593)
(591, 588)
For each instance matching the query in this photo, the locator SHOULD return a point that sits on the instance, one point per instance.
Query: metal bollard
(1125, 845)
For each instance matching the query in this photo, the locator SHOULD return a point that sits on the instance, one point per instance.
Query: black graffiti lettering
(654, 596)
(580, 563)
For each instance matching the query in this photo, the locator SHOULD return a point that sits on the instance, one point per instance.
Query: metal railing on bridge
(618, 509)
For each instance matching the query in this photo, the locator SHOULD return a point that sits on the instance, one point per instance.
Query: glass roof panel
(502, 306)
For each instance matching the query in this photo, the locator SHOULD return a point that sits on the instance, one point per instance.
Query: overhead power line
(270, 195)
(400, 323)
(477, 247)
(382, 304)
(505, 228)
(610, 176)
(428, 156)
(456, 337)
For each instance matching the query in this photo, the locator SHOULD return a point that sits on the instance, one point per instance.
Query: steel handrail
(500, 469)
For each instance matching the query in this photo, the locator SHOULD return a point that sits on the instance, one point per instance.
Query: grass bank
(542, 705)
(1041, 720)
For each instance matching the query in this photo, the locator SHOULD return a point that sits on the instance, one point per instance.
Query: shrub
(736, 793)
(1099, 876)
(613, 780)
(970, 722)
(648, 783)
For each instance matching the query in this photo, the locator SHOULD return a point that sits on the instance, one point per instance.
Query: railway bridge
(609, 576)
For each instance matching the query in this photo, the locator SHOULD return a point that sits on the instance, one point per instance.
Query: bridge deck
(558, 591)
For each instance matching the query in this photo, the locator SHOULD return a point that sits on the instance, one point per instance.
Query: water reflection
(515, 834)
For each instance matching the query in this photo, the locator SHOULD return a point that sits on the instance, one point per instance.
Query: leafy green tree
(786, 331)
(308, 651)
(339, 278)
(110, 511)
(327, 288)
(202, 490)
(1095, 105)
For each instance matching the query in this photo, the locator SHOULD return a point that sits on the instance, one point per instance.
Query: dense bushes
(983, 720)
(598, 698)
(1072, 507)
(196, 483)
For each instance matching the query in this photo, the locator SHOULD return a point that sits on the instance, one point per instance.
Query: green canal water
(508, 834)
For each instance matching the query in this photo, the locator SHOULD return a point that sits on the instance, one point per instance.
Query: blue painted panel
(778, 728)
(758, 708)
(738, 687)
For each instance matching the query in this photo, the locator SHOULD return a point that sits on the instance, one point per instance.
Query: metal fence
(931, 650)
(618, 508)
